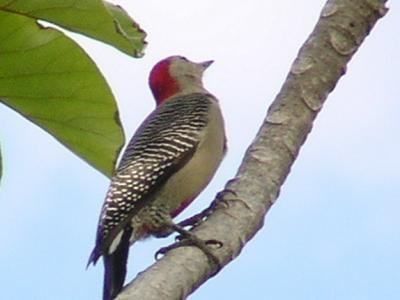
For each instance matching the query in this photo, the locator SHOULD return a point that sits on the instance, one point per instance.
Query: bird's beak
(206, 64)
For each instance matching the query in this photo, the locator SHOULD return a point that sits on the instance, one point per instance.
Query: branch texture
(240, 211)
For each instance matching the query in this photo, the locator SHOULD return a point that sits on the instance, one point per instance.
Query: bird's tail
(115, 267)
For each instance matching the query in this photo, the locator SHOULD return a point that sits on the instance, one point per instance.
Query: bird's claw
(202, 245)
(200, 217)
(217, 243)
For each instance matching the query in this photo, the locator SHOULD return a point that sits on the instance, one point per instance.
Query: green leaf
(50, 80)
(97, 19)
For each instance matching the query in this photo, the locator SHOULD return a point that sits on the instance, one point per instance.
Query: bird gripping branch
(170, 159)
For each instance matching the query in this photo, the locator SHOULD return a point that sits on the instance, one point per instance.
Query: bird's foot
(201, 216)
(198, 218)
(187, 238)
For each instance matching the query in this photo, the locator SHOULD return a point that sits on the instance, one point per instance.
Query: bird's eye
(183, 58)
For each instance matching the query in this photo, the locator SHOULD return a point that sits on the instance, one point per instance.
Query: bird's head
(176, 75)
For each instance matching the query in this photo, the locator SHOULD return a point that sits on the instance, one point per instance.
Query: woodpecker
(170, 159)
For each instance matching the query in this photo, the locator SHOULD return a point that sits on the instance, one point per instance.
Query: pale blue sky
(332, 234)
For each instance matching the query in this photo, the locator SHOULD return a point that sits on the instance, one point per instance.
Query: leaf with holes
(97, 19)
(50, 80)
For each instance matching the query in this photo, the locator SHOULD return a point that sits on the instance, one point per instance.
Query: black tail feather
(115, 267)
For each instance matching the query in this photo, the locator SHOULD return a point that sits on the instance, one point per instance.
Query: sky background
(332, 234)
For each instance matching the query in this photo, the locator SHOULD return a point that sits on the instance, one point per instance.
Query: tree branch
(321, 62)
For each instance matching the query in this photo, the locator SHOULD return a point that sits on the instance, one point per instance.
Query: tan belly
(189, 181)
